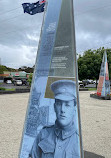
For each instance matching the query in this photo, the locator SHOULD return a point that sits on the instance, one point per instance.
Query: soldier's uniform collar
(64, 133)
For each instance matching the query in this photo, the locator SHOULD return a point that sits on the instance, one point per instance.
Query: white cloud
(14, 57)
(19, 32)
(92, 24)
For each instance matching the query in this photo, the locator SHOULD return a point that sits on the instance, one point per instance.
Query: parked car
(95, 81)
(90, 81)
(8, 81)
(81, 85)
(17, 82)
(24, 82)
(80, 82)
(85, 82)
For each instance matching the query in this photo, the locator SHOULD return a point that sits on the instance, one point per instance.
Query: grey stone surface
(96, 125)
(95, 119)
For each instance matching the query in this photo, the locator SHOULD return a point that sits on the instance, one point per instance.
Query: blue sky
(19, 32)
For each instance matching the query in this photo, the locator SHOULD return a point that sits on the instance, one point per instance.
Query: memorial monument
(52, 126)
(103, 88)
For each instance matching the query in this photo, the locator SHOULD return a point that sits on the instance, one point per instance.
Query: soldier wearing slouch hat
(60, 140)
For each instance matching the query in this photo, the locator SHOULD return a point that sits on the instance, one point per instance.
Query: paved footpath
(96, 125)
(95, 119)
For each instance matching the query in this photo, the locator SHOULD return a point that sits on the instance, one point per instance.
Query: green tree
(26, 69)
(2, 69)
(5, 68)
(90, 63)
(30, 79)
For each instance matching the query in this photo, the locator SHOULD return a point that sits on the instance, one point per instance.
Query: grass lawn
(92, 89)
(6, 89)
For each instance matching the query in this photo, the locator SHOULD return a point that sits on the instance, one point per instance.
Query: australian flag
(33, 8)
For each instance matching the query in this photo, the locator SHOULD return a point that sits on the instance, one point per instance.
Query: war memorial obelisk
(103, 88)
(52, 126)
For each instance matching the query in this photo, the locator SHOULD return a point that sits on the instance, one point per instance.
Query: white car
(18, 83)
(80, 82)
(8, 81)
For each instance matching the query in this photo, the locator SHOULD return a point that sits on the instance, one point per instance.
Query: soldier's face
(64, 112)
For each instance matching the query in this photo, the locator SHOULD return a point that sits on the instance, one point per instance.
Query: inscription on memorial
(47, 44)
(51, 27)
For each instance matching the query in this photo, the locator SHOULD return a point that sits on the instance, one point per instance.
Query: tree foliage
(5, 68)
(23, 68)
(90, 63)
(2, 69)
(26, 69)
(30, 78)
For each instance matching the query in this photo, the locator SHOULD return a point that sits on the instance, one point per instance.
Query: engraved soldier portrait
(60, 140)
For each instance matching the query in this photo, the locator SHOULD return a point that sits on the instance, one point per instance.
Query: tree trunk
(96, 83)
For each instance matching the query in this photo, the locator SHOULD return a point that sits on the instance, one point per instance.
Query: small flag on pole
(33, 8)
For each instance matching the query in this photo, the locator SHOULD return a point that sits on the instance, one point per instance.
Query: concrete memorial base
(94, 95)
